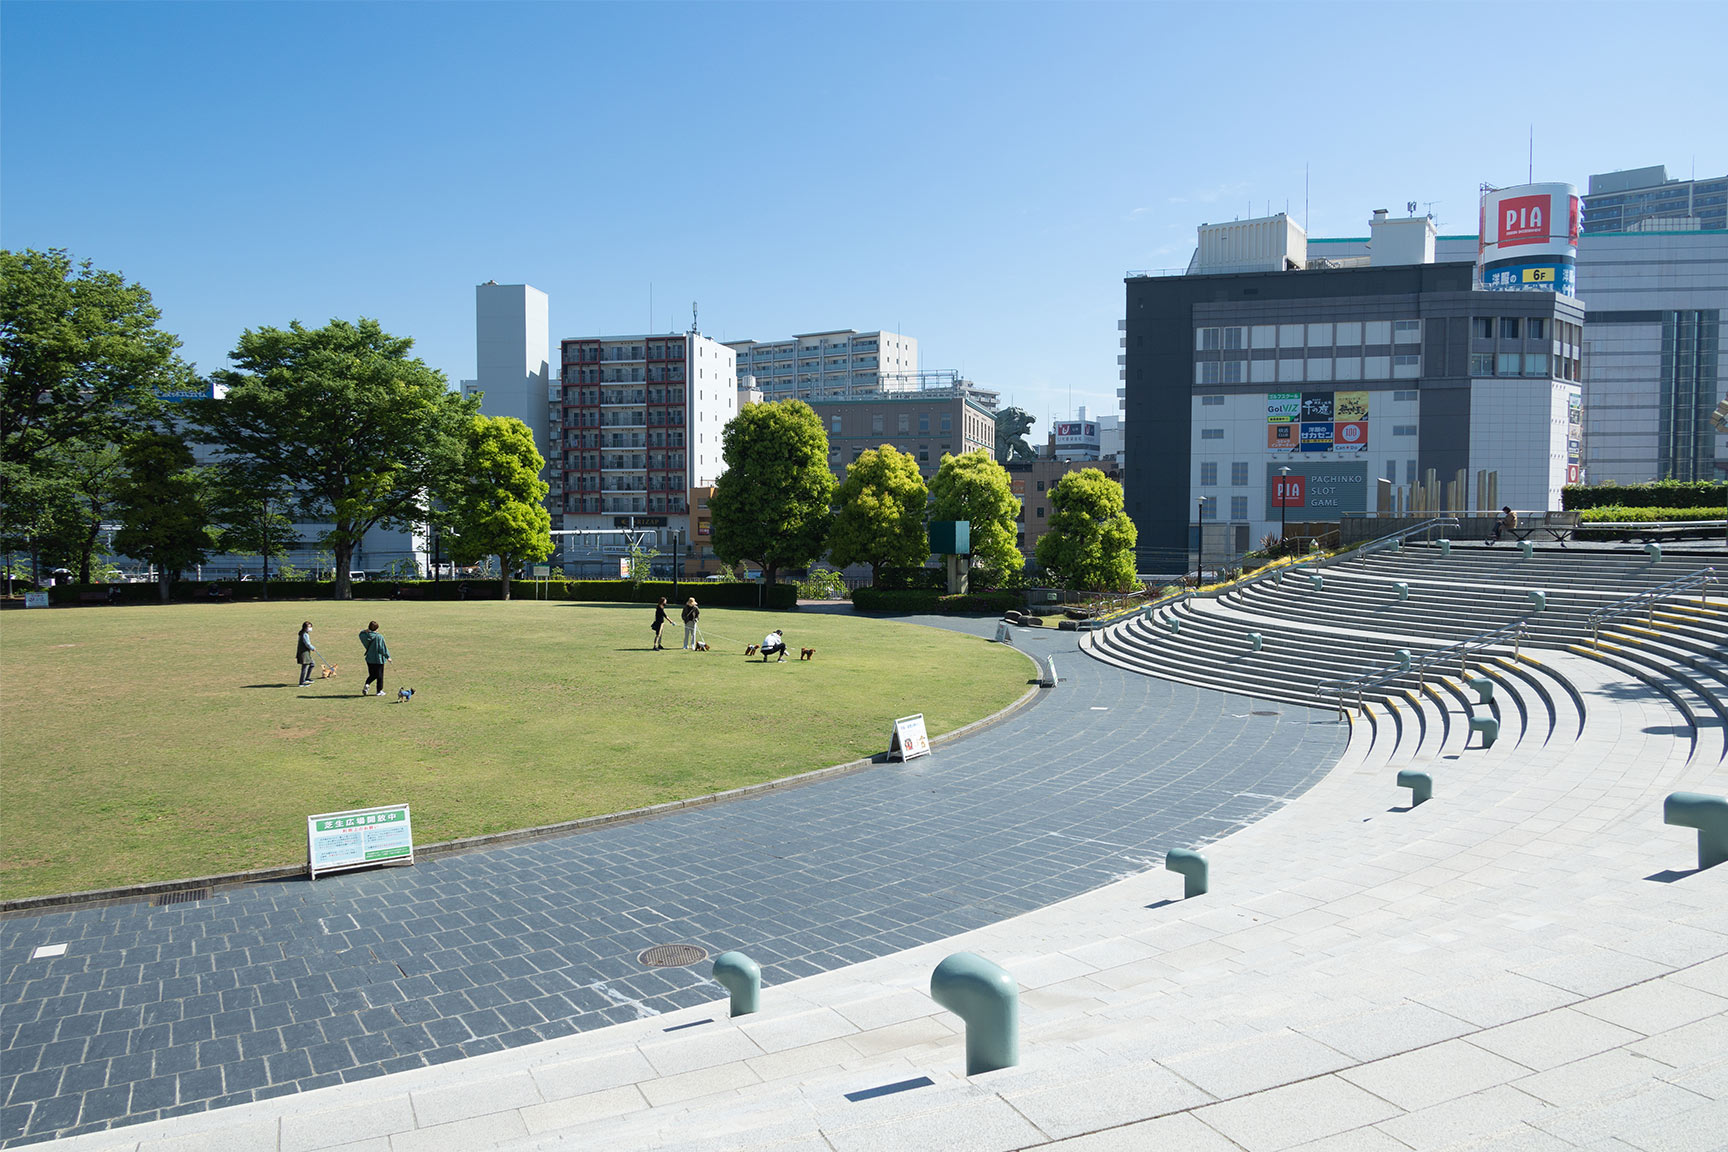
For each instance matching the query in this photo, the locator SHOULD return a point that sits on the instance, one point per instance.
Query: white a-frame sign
(909, 740)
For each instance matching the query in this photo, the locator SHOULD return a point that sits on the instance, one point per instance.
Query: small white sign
(358, 838)
(1003, 635)
(35, 599)
(909, 740)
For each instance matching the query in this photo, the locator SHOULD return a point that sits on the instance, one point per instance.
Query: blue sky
(976, 175)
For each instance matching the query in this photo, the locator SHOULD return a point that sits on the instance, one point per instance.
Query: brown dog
(806, 653)
(752, 649)
(701, 645)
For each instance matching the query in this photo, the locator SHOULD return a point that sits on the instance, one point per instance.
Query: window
(1238, 507)
(1233, 338)
(1239, 474)
(1320, 370)
(1409, 471)
(1391, 472)
(1406, 367)
(1290, 371)
(1481, 363)
(923, 453)
(1535, 363)
(833, 425)
(947, 423)
(1264, 336)
(1376, 367)
(1206, 339)
(1290, 335)
(1508, 364)
(923, 421)
(1211, 401)
(876, 423)
(1404, 397)
(1209, 507)
(1406, 331)
(1040, 511)
(1260, 371)
(1508, 327)
(1211, 433)
(1208, 473)
(905, 422)
(1233, 371)
(1319, 335)
(1403, 429)
(1377, 332)
(1538, 328)
(1209, 372)
(1040, 485)
(1349, 334)
(857, 452)
(1347, 368)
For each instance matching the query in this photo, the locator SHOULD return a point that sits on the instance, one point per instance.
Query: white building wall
(711, 400)
(1518, 429)
(512, 333)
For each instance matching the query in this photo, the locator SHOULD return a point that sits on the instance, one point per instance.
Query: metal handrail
(1419, 667)
(1375, 545)
(1702, 577)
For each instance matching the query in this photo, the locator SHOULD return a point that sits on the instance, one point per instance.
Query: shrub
(1665, 494)
(822, 584)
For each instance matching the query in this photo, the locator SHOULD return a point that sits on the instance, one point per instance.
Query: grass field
(154, 743)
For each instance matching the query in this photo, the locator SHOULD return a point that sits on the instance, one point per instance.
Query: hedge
(780, 597)
(1622, 514)
(1662, 494)
(903, 600)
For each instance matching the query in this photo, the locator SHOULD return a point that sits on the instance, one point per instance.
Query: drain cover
(672, 955)
(1265, 713)
(184, 896)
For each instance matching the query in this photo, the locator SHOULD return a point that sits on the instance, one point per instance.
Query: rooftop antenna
(694, 330)
(1530, 175)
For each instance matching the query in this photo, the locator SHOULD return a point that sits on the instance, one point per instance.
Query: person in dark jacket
(659, 623)
(305, 654)
(377, 655)
(691, 614)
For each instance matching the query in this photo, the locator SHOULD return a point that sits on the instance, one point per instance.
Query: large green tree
(1089, 542)
(161, 506)
(975, 488)
(355, 429)
(881, 517)
(253, 516)
(496, 506)
(85, 477)
(773, 503)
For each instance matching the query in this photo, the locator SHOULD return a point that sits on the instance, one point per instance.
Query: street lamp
(1200, 543)
(1283, 504)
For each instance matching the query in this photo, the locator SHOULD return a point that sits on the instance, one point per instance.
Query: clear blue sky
(976, 175)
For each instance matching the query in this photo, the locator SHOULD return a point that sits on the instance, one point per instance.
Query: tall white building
(843, 362)
(511, 336)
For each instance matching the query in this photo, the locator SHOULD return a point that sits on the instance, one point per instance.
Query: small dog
(701, 645)
(403, 695)
(752, 649)
(806, 653)
(329, 671)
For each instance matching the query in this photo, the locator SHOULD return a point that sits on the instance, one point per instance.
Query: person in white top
(772, 643)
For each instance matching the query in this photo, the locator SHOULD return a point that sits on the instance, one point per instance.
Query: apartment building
(924, 426)
(843, 362)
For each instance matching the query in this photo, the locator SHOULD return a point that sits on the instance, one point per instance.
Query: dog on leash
(329, 671)
(701, 645)
(752, 649)
(403, 695)
(806, 653)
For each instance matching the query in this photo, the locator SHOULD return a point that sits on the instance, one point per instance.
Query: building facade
(1645, 200)
(843, 362)
(1032, 482)
(924, 426)
(637, 425)
(512, 375)
(1289, 393)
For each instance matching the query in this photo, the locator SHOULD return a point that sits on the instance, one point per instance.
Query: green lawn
(154, 743)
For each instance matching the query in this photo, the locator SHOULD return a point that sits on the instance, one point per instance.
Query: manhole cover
(672, 955)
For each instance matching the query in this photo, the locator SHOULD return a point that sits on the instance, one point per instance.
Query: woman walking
(691, 614)
(659, 623)
(305, 654)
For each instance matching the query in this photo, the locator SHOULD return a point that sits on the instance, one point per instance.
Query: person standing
(377, 655)
(305, 654)
(659, 623)
(691, 615)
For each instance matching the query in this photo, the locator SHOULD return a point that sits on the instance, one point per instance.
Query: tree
(252, 517)
(1090, 540)
(881, 517)
(772, 504)
(341, 417)
(86, 477)
(975, 488)
(496, 507)
(161, 507)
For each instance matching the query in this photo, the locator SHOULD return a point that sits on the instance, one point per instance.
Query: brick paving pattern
(286, 987)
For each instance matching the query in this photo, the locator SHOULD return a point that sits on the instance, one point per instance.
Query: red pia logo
(1289, 492)
(1523, 220)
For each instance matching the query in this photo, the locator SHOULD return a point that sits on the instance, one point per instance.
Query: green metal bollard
(1484, 688)
(1421, 785)
(1653, 550)
(985, 996)
(1538, 600)
(1316, 581)
(1254, 641)
(1174, 623)
(1708, 814)
(1527, 548)
(1196, 873)
(1403, 655)
(1402, 589)
(1488, 726)
(742, 977)
(1445, 547)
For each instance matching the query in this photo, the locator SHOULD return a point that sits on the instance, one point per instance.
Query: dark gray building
(1344, 373)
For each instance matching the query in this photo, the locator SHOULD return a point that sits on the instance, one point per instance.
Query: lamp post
(1283, 504)
(1200, 542)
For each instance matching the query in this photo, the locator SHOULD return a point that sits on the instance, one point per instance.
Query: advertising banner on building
(1351, 437)
(1351, 406)
(1318, 491)
(1282, 438)
(1282, 407)
(1316, 437)
(1529, 238)
(1317, 406)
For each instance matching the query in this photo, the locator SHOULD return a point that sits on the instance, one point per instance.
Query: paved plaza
(273, 989)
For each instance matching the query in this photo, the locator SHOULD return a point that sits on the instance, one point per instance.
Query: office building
(1272, 353)
(1032, 482)
(512, 375)
(926, 426)
(843, 362)
(1645, 200)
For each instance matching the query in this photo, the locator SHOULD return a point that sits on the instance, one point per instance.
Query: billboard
(1351, 436)
(1529, 238)
(1317, 491)
(1317, 437)
(1282, 437)
(1317, 421)
(1283, 406)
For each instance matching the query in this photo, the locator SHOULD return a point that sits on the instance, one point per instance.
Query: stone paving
(283, 988)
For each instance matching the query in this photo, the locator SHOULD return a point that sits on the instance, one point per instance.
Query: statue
(1012, 424)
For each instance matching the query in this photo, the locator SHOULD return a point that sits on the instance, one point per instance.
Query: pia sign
(1529, 238)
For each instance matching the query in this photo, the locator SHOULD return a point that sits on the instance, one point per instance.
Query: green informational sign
(355, 839)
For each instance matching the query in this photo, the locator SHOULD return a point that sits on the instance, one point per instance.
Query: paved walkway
(283, 988)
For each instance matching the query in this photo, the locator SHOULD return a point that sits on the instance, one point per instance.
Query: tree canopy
(1089, 542)
(974, 487)
(358, 431)
(161, 507)
(772, 504)
(881, 517)
(496, 507)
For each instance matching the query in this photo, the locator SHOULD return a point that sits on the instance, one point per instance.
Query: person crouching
(774, 642)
